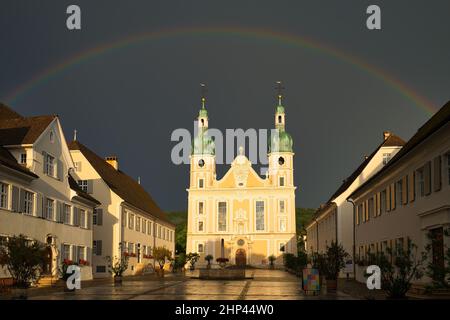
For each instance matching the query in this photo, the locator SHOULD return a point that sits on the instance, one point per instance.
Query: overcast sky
(128, 101)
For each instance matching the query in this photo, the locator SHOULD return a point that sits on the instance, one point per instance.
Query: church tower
(203, 159)
(281, 156)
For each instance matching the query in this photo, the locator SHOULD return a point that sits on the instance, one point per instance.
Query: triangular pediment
(241, 175)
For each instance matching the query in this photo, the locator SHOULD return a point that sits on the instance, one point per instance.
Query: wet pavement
(264, 285)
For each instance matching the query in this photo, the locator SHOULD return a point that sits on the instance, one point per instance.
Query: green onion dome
(280, 143)
(203, 144)
(280, 109)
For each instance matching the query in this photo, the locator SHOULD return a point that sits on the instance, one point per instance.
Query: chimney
(113, 162)
(386, 135)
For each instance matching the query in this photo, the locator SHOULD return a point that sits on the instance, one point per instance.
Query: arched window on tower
(279, 119)
(203, 122)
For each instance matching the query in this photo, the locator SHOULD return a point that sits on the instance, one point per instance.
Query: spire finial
(279, 88)
(75, 135)
(203, 86)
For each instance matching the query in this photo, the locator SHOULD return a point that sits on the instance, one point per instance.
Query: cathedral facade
(242, 217)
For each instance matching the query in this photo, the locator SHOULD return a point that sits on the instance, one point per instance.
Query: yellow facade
(242, 216)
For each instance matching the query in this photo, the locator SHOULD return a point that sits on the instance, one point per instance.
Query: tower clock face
(280, 161)
(201, 163)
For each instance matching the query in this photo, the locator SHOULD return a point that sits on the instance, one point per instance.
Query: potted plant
(117, 267)
(222, 262)
(24, 260)
(161, 254)
(208, 259)
(334, 262)
(192, 258)
(318, 261)
(272, 259)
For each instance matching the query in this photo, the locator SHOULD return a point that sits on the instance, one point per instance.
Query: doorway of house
(48, 261)
(139, 253)
(241, 258)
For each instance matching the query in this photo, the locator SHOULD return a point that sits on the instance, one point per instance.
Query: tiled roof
(16, 130)
(123, 185)
(441, 118)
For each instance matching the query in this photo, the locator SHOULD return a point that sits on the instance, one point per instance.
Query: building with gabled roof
(409, 198)
(37, 196)
(333, 221)
(128, 221)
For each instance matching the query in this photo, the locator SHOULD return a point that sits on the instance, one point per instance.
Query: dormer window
(23, 158)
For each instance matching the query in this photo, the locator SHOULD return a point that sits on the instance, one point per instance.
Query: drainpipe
(336, 224)
(354, 237)
(317, 233)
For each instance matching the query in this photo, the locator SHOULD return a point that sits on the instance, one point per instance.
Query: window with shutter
(67, 214)
(399, 193)
(412, 186)
(427, 178)
(90, 186)
(358, 210)
(388, 198)
(393, 198)
(98, 216)
(99, 247)
(75, 217)
(15, 199)
(40, 206)
(405, 190)
(28, 202)
(4, 193)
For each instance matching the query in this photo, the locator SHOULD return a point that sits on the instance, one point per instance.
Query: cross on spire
(279, 88)
(203, 91)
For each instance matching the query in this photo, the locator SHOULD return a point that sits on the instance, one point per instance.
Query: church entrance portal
(241, 258)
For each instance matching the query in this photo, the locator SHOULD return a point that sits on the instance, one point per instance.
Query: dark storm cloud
(127, 102)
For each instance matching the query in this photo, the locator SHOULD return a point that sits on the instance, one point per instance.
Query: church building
(242, 217)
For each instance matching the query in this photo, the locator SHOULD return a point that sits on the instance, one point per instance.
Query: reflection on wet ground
(265, 285)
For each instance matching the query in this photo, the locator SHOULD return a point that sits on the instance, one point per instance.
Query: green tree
(399, 267)
(179, 218)
(23, 258)
(161, 255)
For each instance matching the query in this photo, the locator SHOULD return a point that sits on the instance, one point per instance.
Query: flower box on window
(68, 262)
(83, 262)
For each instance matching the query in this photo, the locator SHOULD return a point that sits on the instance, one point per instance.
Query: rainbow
(247, 33)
